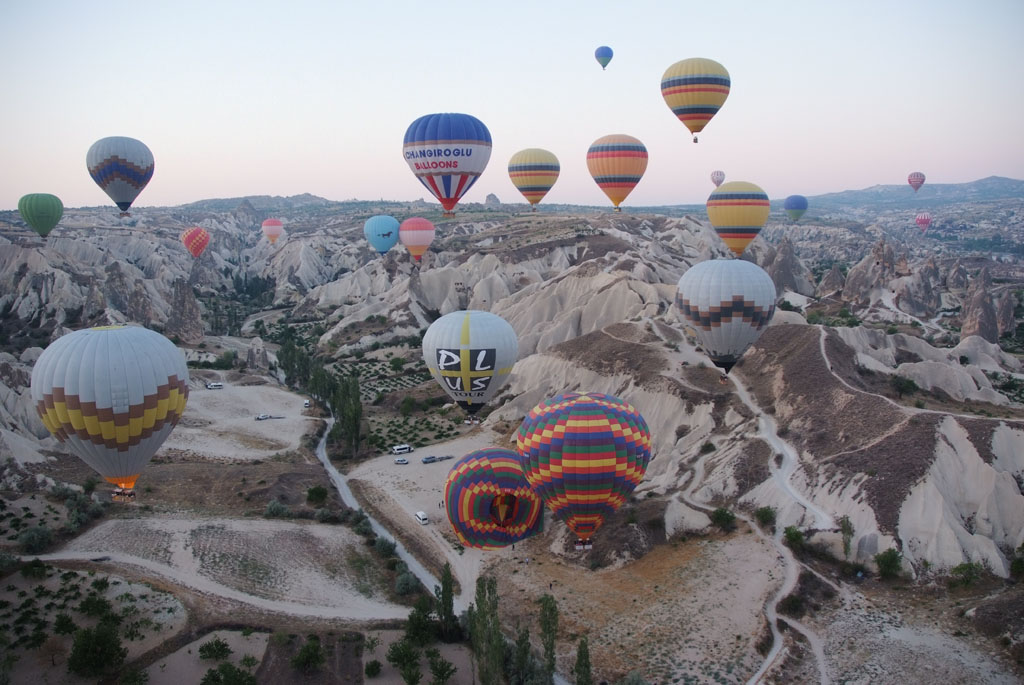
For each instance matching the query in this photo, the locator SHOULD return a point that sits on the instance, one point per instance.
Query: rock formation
(832, 283)
(979, 313)
(256, 358)
(186, 320)
(786, 269)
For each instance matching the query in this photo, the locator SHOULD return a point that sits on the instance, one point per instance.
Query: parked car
(401, 449)
(421, 516)
(401, 460)
(445, 457)
(306, 404)
(262, 417)
(214, 386)
(429, 460)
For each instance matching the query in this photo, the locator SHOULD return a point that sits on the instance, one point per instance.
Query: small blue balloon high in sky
(603, 55)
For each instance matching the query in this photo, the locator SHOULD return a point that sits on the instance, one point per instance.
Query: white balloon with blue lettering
(447, 152)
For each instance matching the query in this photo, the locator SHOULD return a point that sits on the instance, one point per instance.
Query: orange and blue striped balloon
(533, 172)
(584, 453)
(489, 502)
(617, 163)
(695, 89)
(738, 210)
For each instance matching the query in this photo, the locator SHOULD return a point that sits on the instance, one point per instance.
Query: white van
(401, 449)
(421, 516)
(214, 386)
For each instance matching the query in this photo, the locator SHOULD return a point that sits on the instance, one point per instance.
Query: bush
(310, 657)
(965, 574)
(326, 516)
(316, 495)
(372, 669)
(707, 448)
(96, 650)
(35, 540)
(1017, 567)
(215, 649)
(723, 518)
(794, 538)
(276, 509)
(889, 563)
(385, 547)
(363, 527)
(765, 516)
(228, 674)
(34, 569)
(406, 583)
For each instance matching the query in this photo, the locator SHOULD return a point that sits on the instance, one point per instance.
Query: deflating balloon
(728, 302)
(112, 395)
(195, 240)
(738, 211)
(617, 163)
(470, 354)
(489, 502)
(447, 153)
(41, 211)
(916, 180)
(603, 55)
(717, 177)
(381, 232)
(273, 229)
(584, 453)
(924, 219)
(121, 167)
(416, 235)
(533, 171)
(695, 89)
(795, 206)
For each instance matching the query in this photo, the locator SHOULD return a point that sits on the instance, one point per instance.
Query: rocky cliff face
(786, 269)
(870, 276)
(956, 278)
(979, 314)
(832, 283)
(185, 321)
(1006, 322)
(919, 293)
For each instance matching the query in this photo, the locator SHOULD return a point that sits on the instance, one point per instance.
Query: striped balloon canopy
(489, 502)
(695, 89)
(533, 172)
(916, 180)
(122, 167)
(112, 395)
(795, 206)
(447, 152)
(195, 240)
(41, 211)
(924, 220)
(738, 210)
(584, 453)
(273, 229)
(416, 234)
(617, 163)
(717, 177)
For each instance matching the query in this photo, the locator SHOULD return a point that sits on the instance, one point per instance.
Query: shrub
(316, 495)
(372, 669)
(64, 625)
(794, 538)
(96, 650)
(889, 563)
(723, 518)
(765, 516)
(363, 527)
(90, 485)
(326, 516)
(34, 569)
(310, 657)
(95, 606)
(215, 649)
(406, 583)
(228, 674)
(385, 547)
(276, 509)
(35, 540)
(792, 605)
(965, 574)
(707, 448)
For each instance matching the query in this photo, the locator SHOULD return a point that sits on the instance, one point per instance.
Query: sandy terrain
(185, 666)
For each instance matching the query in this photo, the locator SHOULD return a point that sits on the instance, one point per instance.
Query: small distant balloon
(122, 167)
(41, 211)
(916, 180)
(195, 240)
(533, 172)
(416, 234)
(381, 232)
(617, 163)
(603, 55)
(273, 229)
(795, 206)
(695, 89)
(924, 220)
(717, 177)
(738, 211)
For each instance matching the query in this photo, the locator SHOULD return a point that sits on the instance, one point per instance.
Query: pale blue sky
(246, 98)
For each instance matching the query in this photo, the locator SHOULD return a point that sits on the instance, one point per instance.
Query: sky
(282, 98)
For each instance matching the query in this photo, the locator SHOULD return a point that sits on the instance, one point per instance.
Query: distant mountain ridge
(930, 195)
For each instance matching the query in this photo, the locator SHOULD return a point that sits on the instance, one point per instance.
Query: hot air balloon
(41, 211)
(416, 234)
(924, 219)
(381, 232)
(470, 354)
(121, 167)
(728, 302)
(603, 55)
(916, 180)
(738, 210)
(717, 177)
(584, 453)
(273, 229)
(447, 152)
(533, 171)
(112, 395)
(695, 89)
(195, 240)
(489, 502)
(617, 163)
(795, 206)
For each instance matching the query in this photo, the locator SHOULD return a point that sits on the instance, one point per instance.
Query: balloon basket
(123, 495)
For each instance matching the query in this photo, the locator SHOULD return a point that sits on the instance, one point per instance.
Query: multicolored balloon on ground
(195, 240)
(489, 502)
(122, 167)
(584, 453)
(533, 172)
(617, 163)
(924, 220)
(112, 395)
(416, 234)
(470, 353)
(916, 180)
(447, 153)
(728, 302)
(717, 177)
(603, 55)
(795, 206)
(695, 89)
(738, 210)
(381, 232)
(273, 229)
(41, 211)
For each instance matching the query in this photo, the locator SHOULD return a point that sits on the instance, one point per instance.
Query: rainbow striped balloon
(489, 502)
(738, 210)
(533, 172)
(584, 453)
(695, 89)
(617, 163)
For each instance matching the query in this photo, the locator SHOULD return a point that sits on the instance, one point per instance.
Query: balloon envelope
(695, 89)
(916, 180)
(795, 206)
(717, 177)
(584, 453)
(195, 240)
(273, 229)
(447, 153)
(416, 235)
(924, 219)
(603, 55)
(533, 172)
(121, 166)
(112, 395)
(617, 163)
(738, 210)
(470, 353)
(41, 211)
(381, 232)
(489, 501)
(728, 302)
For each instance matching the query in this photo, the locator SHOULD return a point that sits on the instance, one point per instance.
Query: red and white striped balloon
(916, 180)
(924, 219)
